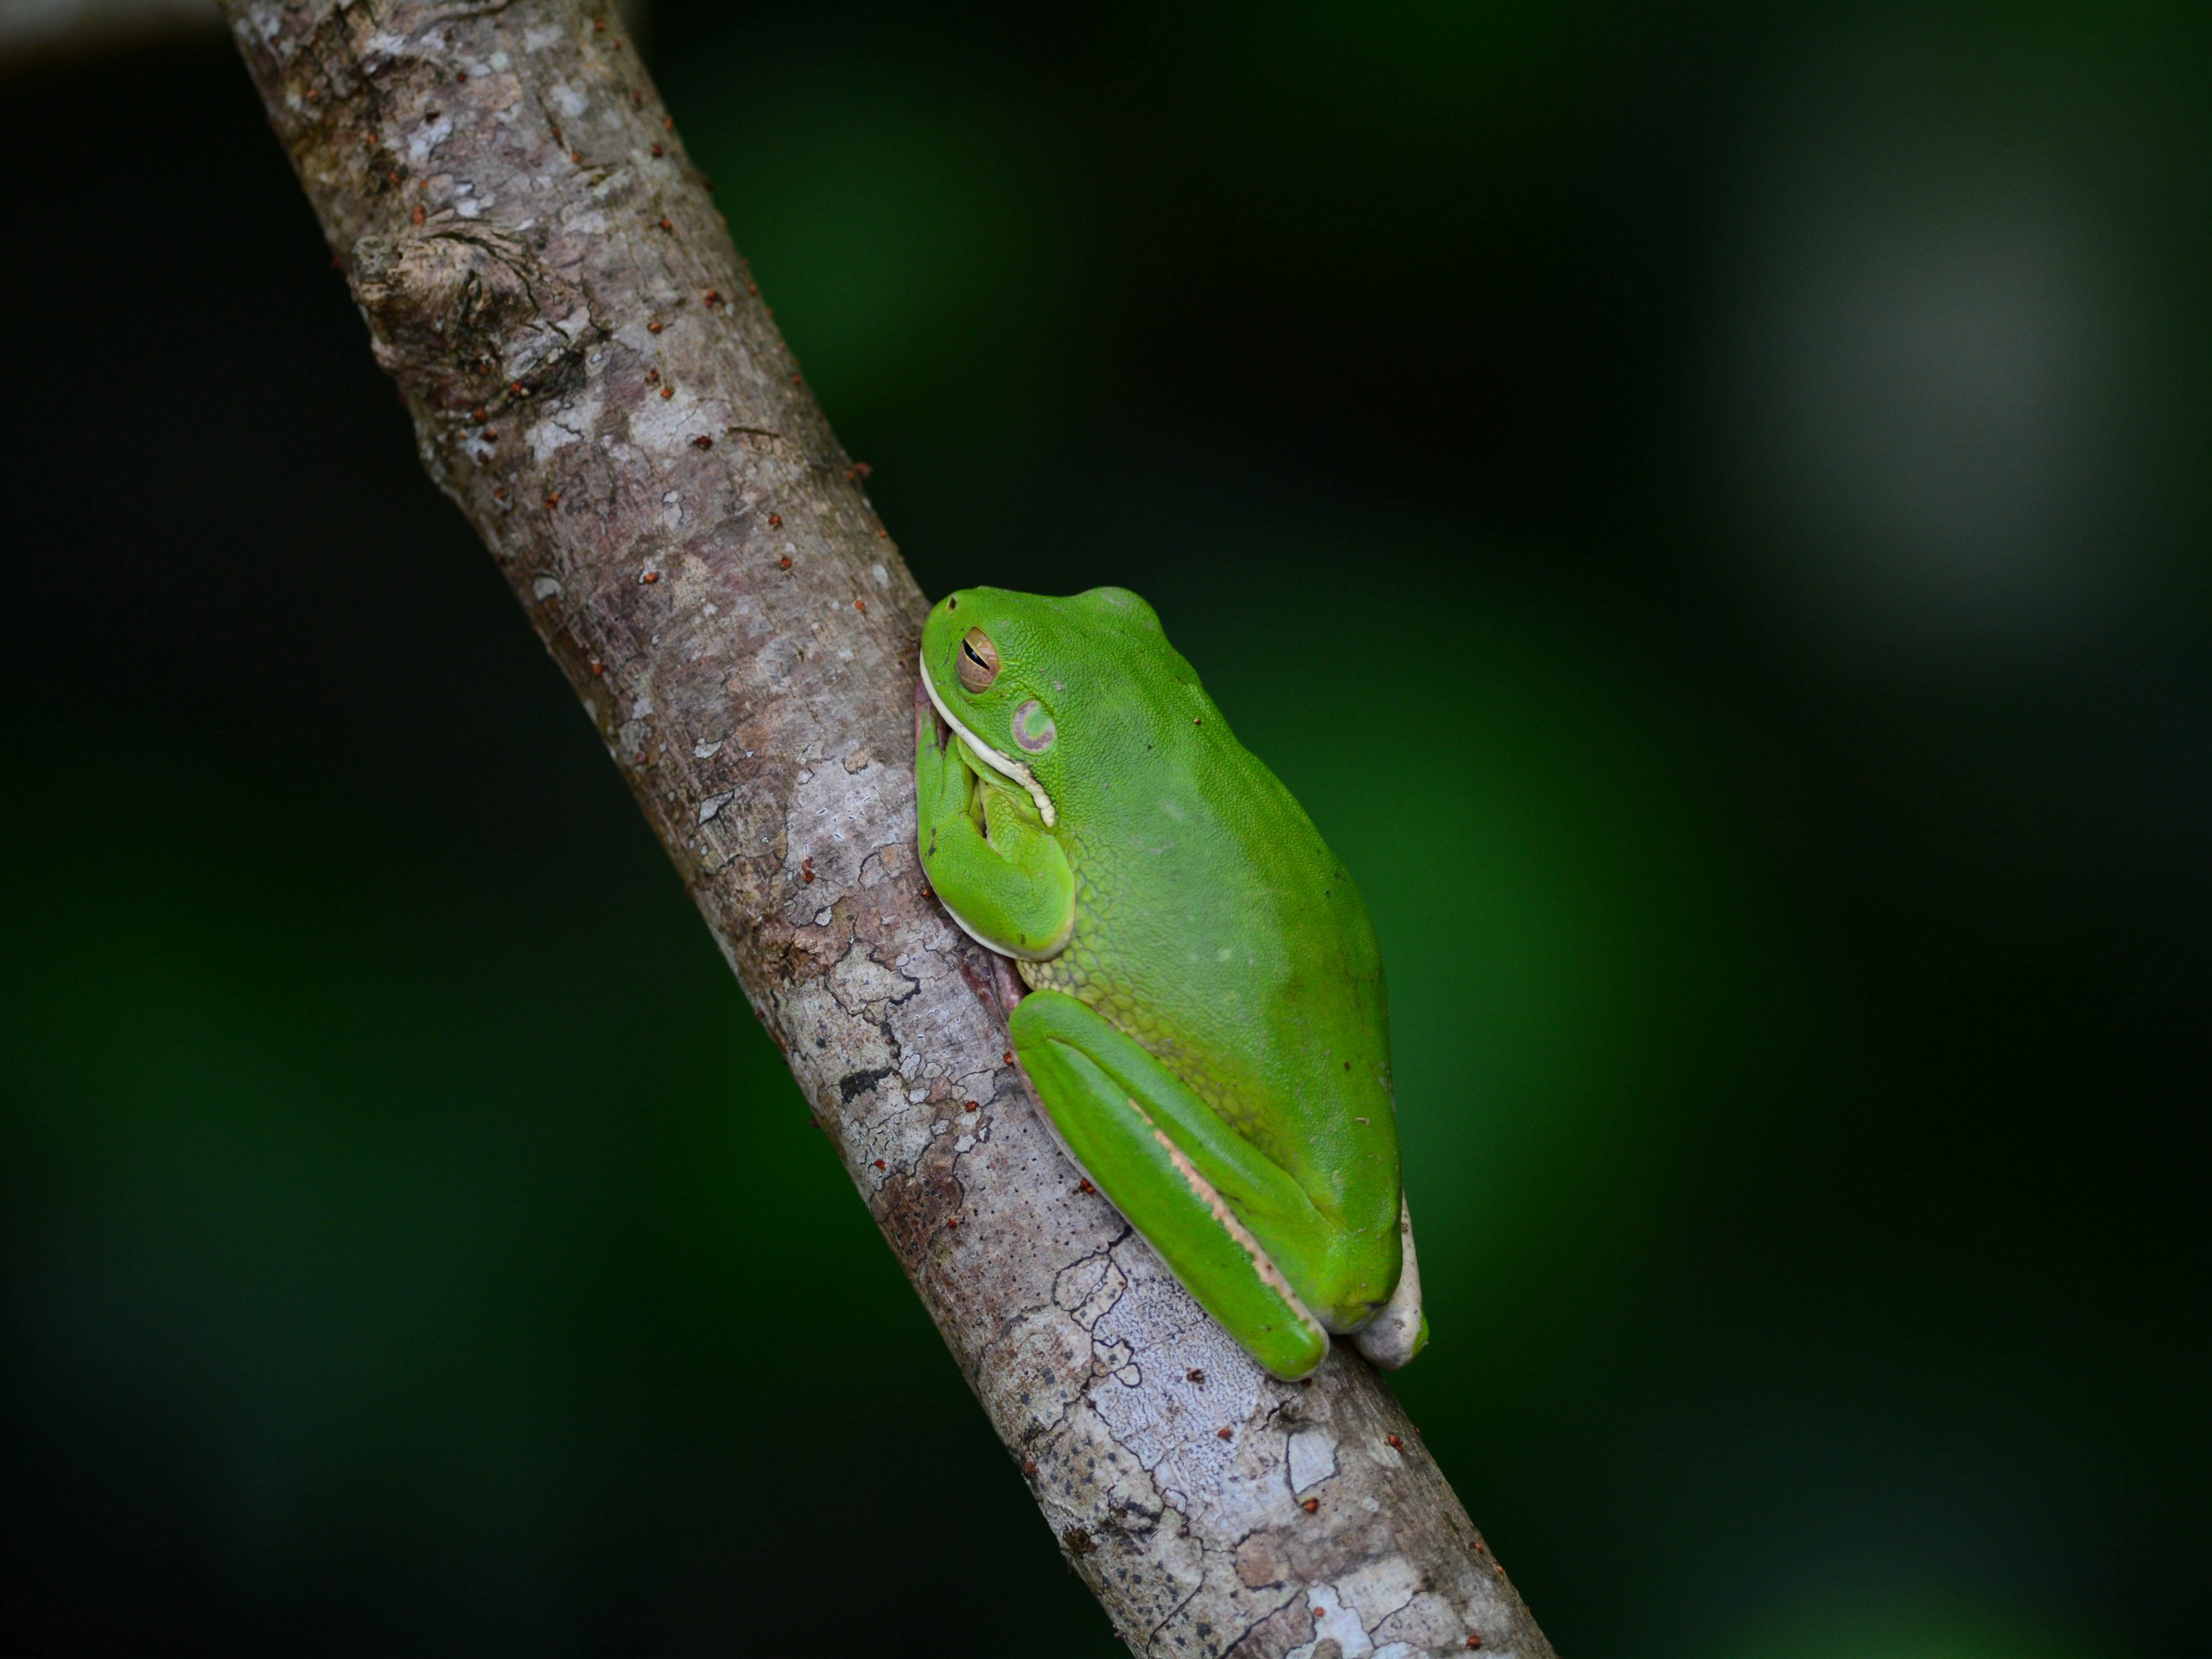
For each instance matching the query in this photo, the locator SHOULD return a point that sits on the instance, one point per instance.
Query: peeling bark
(595, 382)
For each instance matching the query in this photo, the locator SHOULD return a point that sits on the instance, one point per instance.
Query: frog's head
(1023, 678)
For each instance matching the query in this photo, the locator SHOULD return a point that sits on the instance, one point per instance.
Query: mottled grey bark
(595, 382)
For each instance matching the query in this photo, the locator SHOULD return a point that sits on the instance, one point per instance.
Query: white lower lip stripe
(991, 757)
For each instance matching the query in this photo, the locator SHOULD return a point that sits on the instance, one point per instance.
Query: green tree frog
(1204, 1023)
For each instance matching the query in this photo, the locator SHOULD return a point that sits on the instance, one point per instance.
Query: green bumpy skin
(1206, 1025)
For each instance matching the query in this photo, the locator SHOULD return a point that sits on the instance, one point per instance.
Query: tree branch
(596, 384)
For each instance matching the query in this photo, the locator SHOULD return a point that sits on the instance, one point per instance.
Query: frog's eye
(979, 661)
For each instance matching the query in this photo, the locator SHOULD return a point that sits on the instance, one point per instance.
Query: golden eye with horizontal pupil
(1032, 727)
(979, 661)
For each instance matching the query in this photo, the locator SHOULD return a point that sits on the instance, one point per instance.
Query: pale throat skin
(1206, 1027)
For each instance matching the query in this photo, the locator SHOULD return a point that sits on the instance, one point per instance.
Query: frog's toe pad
(1399, 1329)
(1391, 1341)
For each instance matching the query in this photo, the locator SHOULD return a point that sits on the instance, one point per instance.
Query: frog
(1200, 1008)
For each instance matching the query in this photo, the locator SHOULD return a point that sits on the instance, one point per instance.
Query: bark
(595, 382)
(33, 30)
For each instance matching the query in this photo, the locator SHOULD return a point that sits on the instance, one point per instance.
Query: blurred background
(1707, 505)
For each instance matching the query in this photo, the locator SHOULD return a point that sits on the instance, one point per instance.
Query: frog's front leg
(1225, 1219)
(1001, 872)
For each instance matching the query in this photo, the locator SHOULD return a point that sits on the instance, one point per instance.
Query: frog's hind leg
(1178, 1172)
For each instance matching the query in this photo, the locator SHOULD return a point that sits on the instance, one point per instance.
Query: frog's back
(1215, 925)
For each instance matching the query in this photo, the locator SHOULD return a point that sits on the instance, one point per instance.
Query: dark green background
(1705, 504)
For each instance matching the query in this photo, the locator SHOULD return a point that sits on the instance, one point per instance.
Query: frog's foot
(996, 868)
(1399, 1329)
